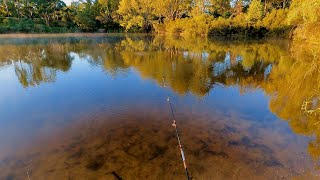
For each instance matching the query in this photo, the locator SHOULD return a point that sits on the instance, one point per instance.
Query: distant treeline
(54, 16)
(236, 18)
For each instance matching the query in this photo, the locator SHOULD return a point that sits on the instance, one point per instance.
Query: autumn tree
(171, 9)
(107, 15)
(255, 11)
(304, 11)
(136, 13)
(141, 13)
(305, 15)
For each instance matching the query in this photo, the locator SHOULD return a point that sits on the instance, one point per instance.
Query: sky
(68, 2)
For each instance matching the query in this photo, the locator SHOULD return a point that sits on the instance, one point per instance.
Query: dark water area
(94, 107)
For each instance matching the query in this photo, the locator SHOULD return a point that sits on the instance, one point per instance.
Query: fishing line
(183, 157)
(28, 175)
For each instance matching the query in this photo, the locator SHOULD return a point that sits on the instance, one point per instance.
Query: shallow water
(94, 107)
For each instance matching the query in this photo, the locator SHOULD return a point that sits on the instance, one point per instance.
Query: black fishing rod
(183, 158)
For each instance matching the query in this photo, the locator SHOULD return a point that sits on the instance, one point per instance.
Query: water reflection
(111, 143)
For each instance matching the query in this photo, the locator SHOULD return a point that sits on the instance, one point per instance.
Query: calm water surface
(94, 107)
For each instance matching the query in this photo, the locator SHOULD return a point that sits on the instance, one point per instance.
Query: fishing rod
(28, 175)
(174, 124)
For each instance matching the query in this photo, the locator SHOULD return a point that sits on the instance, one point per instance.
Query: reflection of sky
(82, 89)
(9, 85)
(221, 67)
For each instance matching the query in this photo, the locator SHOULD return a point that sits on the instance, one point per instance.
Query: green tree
(86, 15)
(6, 8)
(48, 9)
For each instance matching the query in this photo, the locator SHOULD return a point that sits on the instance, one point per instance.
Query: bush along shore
(237, 27)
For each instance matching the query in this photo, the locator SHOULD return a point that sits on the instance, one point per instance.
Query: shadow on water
(219, 89)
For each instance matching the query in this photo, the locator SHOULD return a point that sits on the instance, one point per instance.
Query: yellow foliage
(239, 20)
(141, 12)
(170, 9)
(275, 19)
(135, 13)
(166, 16)
(308, 32)
(305, 14)
(159, 28)
(220, 22)
(304, 11)
(255, 11)
(198, 25)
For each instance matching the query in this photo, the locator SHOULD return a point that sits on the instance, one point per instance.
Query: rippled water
(94, 106)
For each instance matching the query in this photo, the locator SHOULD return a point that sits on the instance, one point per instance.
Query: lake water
(93, 106)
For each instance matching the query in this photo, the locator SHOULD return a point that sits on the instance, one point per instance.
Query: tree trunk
(47, 19)
(284, 4)
(265, 7)
(18, 8)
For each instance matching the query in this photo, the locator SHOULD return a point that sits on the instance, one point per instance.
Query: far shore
(80, 34)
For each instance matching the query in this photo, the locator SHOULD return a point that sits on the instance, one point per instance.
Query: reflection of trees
(290, 77)
(34, 63)
(193, 65)
(112, 62)
(31, 75)
(294, 87)
(196, 65)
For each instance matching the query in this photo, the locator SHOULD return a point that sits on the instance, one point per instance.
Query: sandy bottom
(140, 144)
